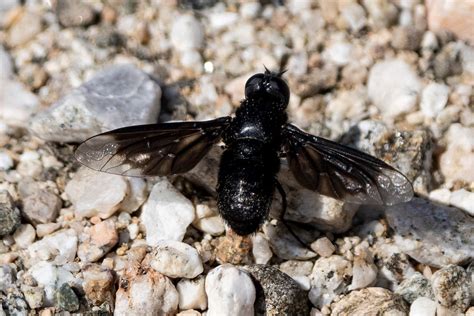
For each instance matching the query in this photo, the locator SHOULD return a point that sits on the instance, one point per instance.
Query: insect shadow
(255, 139)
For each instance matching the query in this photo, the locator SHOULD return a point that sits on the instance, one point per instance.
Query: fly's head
(268, 86)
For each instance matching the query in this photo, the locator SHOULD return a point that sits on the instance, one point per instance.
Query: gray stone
(415, 287)
(370, 301)
(277, 292)
(75, 13)
(432, 234)
(50, 277)
(34, 296)
(115, 97)
(42, 207)
(9, 214)
(15, 304)
(66, 299)
(6, 64)
(393, 86)
(24, 235)
(7, 277)
(452, 288)
(187, 33)
(17, 104)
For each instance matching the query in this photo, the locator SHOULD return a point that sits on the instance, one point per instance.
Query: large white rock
(176, 259)
(166, 214)
(230, 291)
(393, 86)
(59, 248)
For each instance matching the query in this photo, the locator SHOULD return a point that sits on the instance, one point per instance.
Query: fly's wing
(343, 172)
(151, 150)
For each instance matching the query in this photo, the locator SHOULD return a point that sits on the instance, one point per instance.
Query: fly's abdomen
(246, 184)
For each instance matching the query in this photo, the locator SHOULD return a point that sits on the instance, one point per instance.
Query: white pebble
(434, 98)
(230, 291)
(250, 10)
(192, 294)
(176, 260)
(323, 247)
(133, 230)
(50, 277)
(261, 249)
(442, 195)
(96, 193)
(221, 20)
(423, 306)
(187, 33)
(339, 53)
(24, 235)
(166, 214)
(464, 200)
(6, 162)
(393, 86)
(136, 196)
(364, 273)
(60, 248)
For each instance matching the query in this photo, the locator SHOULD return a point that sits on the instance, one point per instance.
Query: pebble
(452, 288)
(46, 229)
(415, 287)
(406, 38)
(15, 304)
(443, 16)
(51, 278)
(24, 235)
(340, 53)
(6, 161)
(354, 16)
(6, 65)
(280, 294)
(370, 301)
(60, 247)
(24, 29)
(393, 87)
(423, 306)
(98, 284)
(34, 296)
(176, 259)
(207, 221)
(381, 13)
(97, 241)
(136, 196)
(166, 214)
(95, 193)
(187, 33)
(66, 299)
(464, 200)
(234, 249)
(283, 243)
(146, 293)
(441, 195)
(7, 277)
(42, 206)
(117, 96)
(250, 10)
(329, 278)
(72, 13)
(364, 272)
(413, 223)
(192, 293)
(323, 247)
(434, 98)
(230, 291)
(9, 214)
(261, 249)
(457, 162)
(17, 104)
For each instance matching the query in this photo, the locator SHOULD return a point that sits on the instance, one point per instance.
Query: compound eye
(252, 85)
(282, 88)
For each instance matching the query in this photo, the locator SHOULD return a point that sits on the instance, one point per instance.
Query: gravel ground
(393, 78)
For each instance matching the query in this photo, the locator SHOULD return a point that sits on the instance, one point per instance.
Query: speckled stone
(9, 214)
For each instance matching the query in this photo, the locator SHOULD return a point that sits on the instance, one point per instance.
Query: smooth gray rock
(432, 234)
(415, 287)
(9, 214)
(115, 97)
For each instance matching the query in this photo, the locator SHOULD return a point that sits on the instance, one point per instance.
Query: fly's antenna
(282, 72)
(267, 72)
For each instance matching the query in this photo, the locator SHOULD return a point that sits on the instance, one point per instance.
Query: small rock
(284, 244)
(354, 16)
(457, 162)
(414, 223)
(208, 221)
(364, 272)
(370, 301)
(452, 288)
(66, 299)
(146, 293)
(279, 294)
(261, 249)
(115, 97)
(98, 284)
(393, 87)
(250, 10)
(192, 293)
(441, 195)
(42, 206)
(166, 214)
(25, 28)
(464, 200)
(381, 13)
(315, 82)
(434, 98)
(329, 278)
(415, 287)
(444, 15)
(24, 235)
(15, 304)
(394, 266)
(97, 241)
(6, 65)
(447, 62)
(323, 247)
(7, 277)
(299, 271)
(17, 104)
(222, 20)
(34, 296)
(46, 229)
(187, 33)
(423, 306)
(72, 13)
(95, 193)
(50, 277)
(60, 247)
(340, 53)
(406, 38)
(176, 259)
(9, 214)
(6, 162)
(234, 249)
(229, 291)
(136, 196)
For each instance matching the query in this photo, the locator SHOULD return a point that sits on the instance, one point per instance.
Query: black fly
(255, 139)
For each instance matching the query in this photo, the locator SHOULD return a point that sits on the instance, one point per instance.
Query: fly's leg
(282, 216)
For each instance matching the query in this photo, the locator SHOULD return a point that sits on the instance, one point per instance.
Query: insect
(255, 139)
